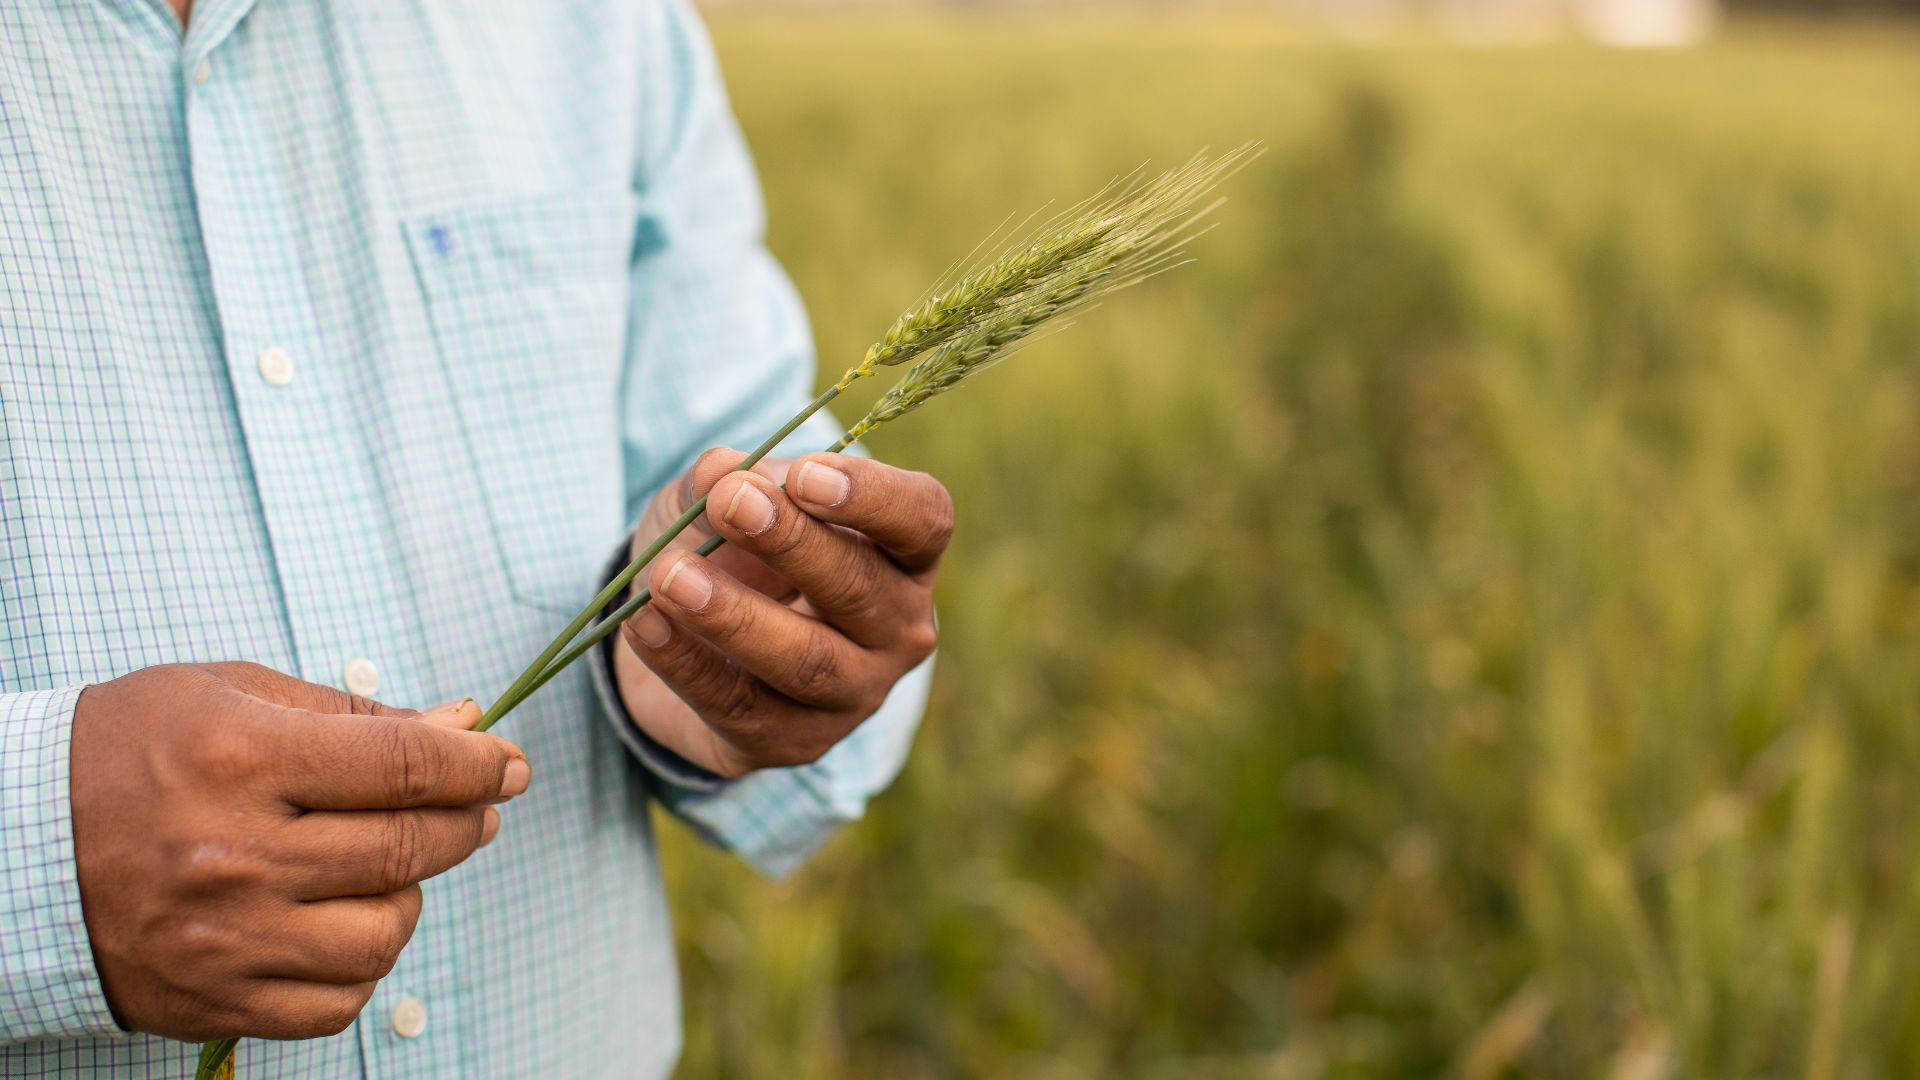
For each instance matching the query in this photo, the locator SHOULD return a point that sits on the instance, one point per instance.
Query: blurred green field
(1469, 624)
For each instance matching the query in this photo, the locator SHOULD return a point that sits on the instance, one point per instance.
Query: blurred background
(1466, 625)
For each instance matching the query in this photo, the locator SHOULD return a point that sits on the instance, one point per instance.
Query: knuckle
(278, 1018)
(342, 1008)
(266, 1022)
(816, 668)
(376, 951)
(245, 674)
(293, 1018)
(863, 704)
(709, 681)
(476, 820)
(848, 585)
(920, 639)
(207, 865)
(410, 763)
(938, 518)
(213, 1008)
(225, 753)
(454, 837)
(250, 669)
(787, 540)
(740, 712)
(402, 856)
(341, 1018)
(735, 616)
(252, 679)
(380, 963)
(389, 937)
(203, 938)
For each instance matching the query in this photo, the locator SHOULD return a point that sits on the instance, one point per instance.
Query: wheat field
(1468, 624)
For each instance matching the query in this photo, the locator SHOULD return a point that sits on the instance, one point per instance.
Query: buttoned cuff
(774, 818)
(49, 987)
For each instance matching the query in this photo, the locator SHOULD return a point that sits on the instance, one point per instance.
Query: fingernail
(822, 485)
(454, 714)
(490, 827)
(750, 511)
(652, 628)
(515, 779)
(688, 585)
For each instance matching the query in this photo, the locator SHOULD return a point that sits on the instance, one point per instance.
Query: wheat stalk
(1133, 229)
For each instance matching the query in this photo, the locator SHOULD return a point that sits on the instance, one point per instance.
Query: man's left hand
(788, 638)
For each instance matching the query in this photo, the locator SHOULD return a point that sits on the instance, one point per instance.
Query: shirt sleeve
(720, 352)
(48, 985)
(721, 355)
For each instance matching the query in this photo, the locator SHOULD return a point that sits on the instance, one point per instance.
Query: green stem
(526, 683)
(212, 1056)
(605, 627)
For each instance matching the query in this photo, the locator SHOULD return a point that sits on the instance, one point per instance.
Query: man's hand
(790, 636)
(249, 846)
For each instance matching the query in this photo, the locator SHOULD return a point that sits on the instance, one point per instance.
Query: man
(351, 338)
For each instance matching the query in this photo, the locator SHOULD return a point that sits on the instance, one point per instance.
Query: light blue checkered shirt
(358, 330)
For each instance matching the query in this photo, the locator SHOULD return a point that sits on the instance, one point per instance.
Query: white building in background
(1622, 23)
(1647, 23)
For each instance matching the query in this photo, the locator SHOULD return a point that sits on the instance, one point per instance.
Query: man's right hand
(250, 846)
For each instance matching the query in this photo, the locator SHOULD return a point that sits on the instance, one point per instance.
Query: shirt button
(276, 367)
(409, 1017)
(200, 73)
(362, 677)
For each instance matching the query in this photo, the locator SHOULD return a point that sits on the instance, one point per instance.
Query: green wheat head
(1133, 229)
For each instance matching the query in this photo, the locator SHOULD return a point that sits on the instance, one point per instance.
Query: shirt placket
(317, 488)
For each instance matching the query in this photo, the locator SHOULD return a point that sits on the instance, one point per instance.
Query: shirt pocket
(528, 306)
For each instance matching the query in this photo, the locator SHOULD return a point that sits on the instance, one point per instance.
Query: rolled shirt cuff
(49, 987)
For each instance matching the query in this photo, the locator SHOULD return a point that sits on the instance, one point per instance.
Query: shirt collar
(211, 23)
